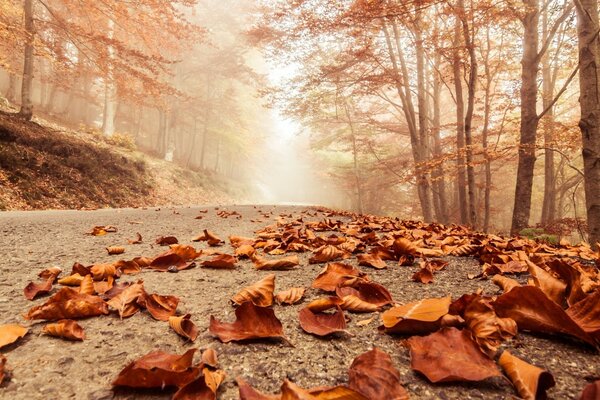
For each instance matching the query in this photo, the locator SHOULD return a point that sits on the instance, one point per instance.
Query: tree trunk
(485, 133)
(163, 121)
(359, 196)
(26, 110)
(529, 119)
(460, 127)
(110, 90)
(11, 93)
(589, 99)
(471, 89)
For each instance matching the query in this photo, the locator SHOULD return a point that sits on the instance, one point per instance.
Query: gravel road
(43, 367)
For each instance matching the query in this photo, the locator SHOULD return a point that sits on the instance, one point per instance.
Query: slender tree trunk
(163, 122)
(460, 127)
(11, 93)
(359, 196)
(110, 89)
(471, 89)
(529, 119)
(26, 110)
(589, 99)
(485, 133)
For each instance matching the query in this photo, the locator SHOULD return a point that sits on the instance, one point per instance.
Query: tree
(589, 99)
(26, 101)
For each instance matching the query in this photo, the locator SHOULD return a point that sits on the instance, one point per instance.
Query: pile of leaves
(554, 290)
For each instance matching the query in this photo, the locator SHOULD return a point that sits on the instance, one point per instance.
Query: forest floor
(44, 367)
(46, 166)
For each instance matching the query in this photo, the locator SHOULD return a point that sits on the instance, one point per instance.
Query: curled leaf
(321, 323)
(371, 292)
(245, 250)
(66, 329)
(137, 240)
(530, 381)
(166, 240)
(506, 284)
(324, 303)
(32, 290)
(87, 285)
(125, 301)
(71, 280)
(160, 307)
(101, 272)
(112, 250)
(208, 237)
(184, 326)
(354, 303)
(220, 261)
(334, 275)
(290, 296)
(325, 254)
(450, 355)
(68, 303)
(283, 263)
(371, 260)
(260, 293)
(252, 322)
(420, 317)
(373, 374)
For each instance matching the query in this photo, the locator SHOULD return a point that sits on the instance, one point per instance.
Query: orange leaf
(450, 355)
(208, 237)
(125, 302)
(252, 322)
(166, 240)
(334, 275)
(507, 284)
(373, 374)
(260, 293)
(137, 240)
(160, 307)
(321, 323)
(284, 263)
(424, 275)
(371, 260)
(530, 381)
(290, 296)
(245, 250)
(115, 250)
(421, 317)
(32, 290)
(590, 392)
(10, 333)
(68, 303)
(220, 261)
(371, 292)
(66, 329)
(159, 369)
(325, 254)
(184, 326)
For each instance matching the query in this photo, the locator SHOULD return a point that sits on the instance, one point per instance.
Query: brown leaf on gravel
(290, 391)
(334, 275)
(184, 326)
(68, 303)
(66, 329)
(324, 303)
(209, 357)
(506, 284)
(322, 323)
(245, 250)
(238, 241)
(374, 375)
(572, 275)
(208, 237)
(71, 280)
(3, 372)
(533, 311)
(325, 254)
(130, 267)
(402, 246)
(104, 286)
(586, 313)
(101, 230)
(530, 381)
(112, 250)
(10, 333)
(32, 290)
(186, 252)
(290, 296)
(101, 272)
(355, 304)
(158, 370)
(160, 307)
(220, 261)
(590, 392)
(87, 285)
(450, 355)
(80, 269)
(166, 240)
(53, 272)
(489, 330)
(423, 316)
(137, 240)
(214, 379)
(371, 292)
(247, 392)
(202, 388)
(553, 287)
(260, 293)
(179, 256)
(125, 302)
(252, 322)
(371, 260)
(424, 275)
(284, 263)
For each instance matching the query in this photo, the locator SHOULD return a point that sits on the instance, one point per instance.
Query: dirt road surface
(43, 367)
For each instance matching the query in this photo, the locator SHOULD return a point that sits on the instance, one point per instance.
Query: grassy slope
(49, 167)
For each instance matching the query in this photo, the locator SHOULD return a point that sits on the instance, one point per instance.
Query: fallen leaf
(137, 240)
(324, 303)
(325, 254)
(371, 292)
(590, 392)
(184, 326)
(125, 302)
(71, 280)
(112, 250)
(489, 330)
(355, 304)
(101, 272)
(245, 250)
(533, 311)
(334, 275)
(214, 379)
(506, 284)
(423, 316)
(10, 333)
(371, 260)
(284, 263)
(530, 381)
(553, 287)
(450, 355)
(87, 285)
(424, 275)
(197, 389)
(260, 293)
(179, 256)
(66, 329)
(252, 322)
(247, 392)
(32, 290)
(127, 267)
(158, 370)
(220, 261)
(290, 296)
(166, 240)
(374, 375)
(101, 230)
(160, 307)
(586, 313)
(208, 237)
(209, 357)
(2, 369)
(53, 272)
(321, 323)
(68, 303)
(365, 322)
(402, 246)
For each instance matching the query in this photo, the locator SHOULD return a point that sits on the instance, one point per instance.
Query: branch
(552, 31)
(560, 92)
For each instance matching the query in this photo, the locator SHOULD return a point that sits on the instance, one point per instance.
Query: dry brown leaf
(209, 357)
(450, 355)
(506, 284)
(424, 275)
(68, 303)
(590, 392)
(420, 317)
(112, 250)
(179, 257)
(71, 280)
(324, 303)
(220, 261)
(10, 333)
(260, 293)
(252, 322)
(355, 304)
(158, 370)
(326, 253)
(321, 323)
(245, 250)
(66, 329)
(290, 296)
(334, 275)
(373, 374)
(404, 247)
(586, 313)
(125, 302)
(101, 230)
(53, 272)
(197, 389)
(166, 240)
(32, 290)
(284, 263)
(489, 330)
(371, 292)
(137, 240)
(184, 326)
(208, 237)
(530, 381)
(553, 287)
(101, 272)
(87, 285)
(160, 307)
(3, 372)
(371, 260)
